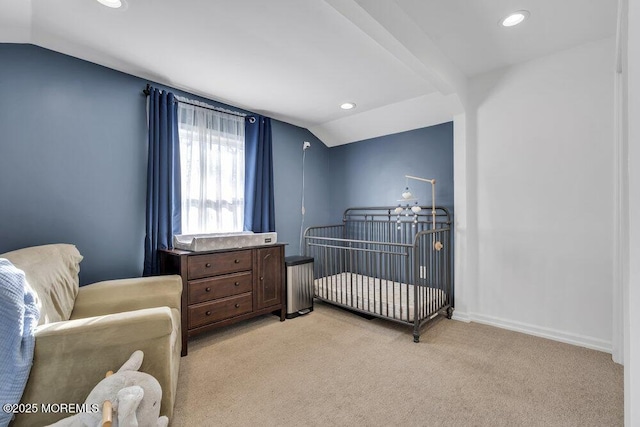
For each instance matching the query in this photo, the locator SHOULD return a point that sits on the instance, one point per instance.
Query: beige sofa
(86, 331)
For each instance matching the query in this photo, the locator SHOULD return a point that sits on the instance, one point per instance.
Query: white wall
(541, 137)
(465, 257)
(632, 321)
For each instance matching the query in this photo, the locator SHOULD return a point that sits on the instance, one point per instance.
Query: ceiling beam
(387, 24)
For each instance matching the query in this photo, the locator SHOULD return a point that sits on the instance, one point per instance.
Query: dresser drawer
(213, 311)
(199, 266)
(218, 287)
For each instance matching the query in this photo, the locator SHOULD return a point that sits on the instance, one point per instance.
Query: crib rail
(433, 270)
(385, 266)
(383, 224)
(388, 212)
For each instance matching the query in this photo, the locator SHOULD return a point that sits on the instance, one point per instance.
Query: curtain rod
(146, 91)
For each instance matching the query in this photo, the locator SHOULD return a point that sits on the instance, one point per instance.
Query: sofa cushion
(52, 271)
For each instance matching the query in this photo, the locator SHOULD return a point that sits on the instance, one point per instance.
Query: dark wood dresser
(226, 286)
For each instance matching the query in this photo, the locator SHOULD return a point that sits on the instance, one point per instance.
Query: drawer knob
(208, 313)
(261, 278)
(237, 305)
(237, 261)
(237, 284)
(208, 290)
(208, 265)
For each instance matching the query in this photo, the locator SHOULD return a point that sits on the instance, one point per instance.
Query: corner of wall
(465, 240)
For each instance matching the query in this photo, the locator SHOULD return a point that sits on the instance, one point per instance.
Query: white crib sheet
(379, 296)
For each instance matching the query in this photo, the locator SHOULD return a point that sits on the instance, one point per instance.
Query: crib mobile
(407, 198)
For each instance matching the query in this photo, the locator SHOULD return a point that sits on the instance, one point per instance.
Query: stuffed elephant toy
(134, 396)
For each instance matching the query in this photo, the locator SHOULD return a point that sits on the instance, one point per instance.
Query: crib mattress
(383, 297)
(210, 242)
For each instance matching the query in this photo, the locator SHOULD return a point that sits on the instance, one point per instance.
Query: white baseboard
(538, 331)
(462, 317)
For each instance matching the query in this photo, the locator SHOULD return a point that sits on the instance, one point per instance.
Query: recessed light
(348, 106)
(514, 18)
(114, 4)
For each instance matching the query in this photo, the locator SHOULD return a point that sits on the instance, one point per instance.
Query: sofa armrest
(116, 296)
(112, 329)
(71, 357)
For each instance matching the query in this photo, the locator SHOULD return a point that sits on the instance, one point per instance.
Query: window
(212, 170)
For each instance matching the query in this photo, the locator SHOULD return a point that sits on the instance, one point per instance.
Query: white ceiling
(403, 62)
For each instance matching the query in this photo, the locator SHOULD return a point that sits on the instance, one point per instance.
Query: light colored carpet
(332, 367)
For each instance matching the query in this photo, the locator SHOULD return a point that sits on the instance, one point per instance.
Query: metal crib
(387, 265)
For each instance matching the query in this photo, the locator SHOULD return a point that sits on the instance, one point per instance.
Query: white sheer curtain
(212, 170)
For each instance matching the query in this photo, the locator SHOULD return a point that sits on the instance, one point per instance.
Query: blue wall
(73, 159)
(287, 171)
(371, 172)
(73, 163)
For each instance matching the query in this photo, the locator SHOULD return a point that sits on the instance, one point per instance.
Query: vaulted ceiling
(405, 63)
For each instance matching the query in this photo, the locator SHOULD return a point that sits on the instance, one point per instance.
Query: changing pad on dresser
(210, 242)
